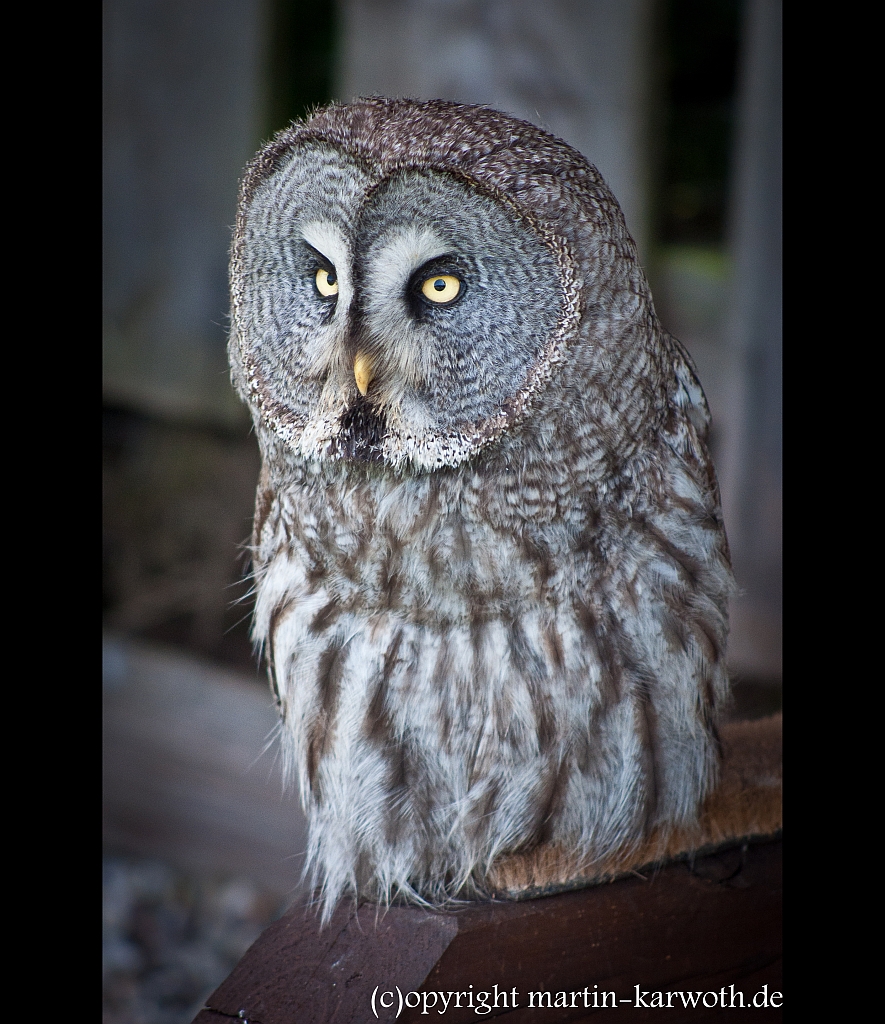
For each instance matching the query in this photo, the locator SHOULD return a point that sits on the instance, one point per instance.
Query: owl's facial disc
(394, 316)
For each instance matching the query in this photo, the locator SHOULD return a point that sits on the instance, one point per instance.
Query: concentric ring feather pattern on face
(491, 572)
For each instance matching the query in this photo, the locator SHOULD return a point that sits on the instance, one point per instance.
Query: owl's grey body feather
(493, 589)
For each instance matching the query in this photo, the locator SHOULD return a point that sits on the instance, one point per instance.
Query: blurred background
(677, 102)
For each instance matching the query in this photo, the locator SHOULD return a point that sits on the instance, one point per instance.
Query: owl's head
(407, 279)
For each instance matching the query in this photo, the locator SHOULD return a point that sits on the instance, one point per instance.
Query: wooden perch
(695, 918)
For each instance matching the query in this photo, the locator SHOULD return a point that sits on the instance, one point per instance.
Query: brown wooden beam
(696, 926)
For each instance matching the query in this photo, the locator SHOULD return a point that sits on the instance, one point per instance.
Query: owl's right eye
(441, 288)
(326, 282)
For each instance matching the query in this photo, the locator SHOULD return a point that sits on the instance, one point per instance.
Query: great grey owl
(490, 566)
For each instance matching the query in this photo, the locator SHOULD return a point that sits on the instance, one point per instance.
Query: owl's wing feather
(690, 394)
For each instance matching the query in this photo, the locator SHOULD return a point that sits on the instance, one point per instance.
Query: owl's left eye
(326, 282)
(441, 288)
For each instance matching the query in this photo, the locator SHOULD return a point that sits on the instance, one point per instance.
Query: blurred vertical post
(579, 68)
(751, 463)
(184, 110)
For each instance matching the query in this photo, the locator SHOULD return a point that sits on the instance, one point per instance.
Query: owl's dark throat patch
(363, 430)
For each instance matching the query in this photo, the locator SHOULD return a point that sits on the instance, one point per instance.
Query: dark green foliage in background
(303, 39)
(700, 53)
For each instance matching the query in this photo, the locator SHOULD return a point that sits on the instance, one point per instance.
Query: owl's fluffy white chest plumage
(458, 682)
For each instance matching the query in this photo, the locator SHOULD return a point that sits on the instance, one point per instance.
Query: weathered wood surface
(699, 924)
(689, 928)
(183, 111)
(191, 769)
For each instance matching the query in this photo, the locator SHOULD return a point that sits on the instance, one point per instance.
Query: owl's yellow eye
(441, 288)
(327, 282)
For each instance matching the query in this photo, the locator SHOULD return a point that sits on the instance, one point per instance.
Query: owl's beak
(363, 371)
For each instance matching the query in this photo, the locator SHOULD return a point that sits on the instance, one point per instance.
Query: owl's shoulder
(688, 394)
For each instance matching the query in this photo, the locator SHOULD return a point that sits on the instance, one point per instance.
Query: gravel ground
(170, 938)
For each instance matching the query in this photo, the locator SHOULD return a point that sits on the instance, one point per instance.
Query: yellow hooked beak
(362, 370)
